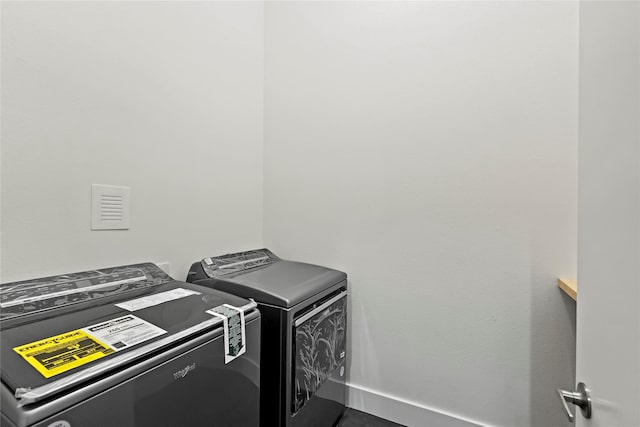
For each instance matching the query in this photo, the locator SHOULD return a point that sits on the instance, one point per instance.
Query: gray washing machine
(126, 346)
(304, 324)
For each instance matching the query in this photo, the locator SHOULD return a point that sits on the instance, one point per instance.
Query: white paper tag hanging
(234, 330)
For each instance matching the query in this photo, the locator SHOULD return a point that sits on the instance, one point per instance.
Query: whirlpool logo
(184, 371)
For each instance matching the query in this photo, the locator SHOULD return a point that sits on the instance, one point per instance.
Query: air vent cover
(110, 207)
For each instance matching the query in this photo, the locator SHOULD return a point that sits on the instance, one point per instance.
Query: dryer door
(319, 347)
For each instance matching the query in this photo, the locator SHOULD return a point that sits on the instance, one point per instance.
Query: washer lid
(54, 347)
(281, 283)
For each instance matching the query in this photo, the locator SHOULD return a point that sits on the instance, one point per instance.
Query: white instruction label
(124, 332)
(155, 299)
(234, 333)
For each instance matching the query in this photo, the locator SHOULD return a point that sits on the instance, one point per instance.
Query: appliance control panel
(237, 262)
(32, 296)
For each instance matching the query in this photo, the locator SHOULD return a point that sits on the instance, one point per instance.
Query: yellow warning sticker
(61, 353)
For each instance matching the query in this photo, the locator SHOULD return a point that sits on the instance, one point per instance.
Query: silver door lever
(581, 398)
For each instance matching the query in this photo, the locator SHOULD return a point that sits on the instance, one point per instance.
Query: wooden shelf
(570, 287)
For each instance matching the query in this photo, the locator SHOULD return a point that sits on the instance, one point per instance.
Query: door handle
(300, 320)
(581, 398)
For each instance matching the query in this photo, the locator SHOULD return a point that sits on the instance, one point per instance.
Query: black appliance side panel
(272, 372)
(192, 388)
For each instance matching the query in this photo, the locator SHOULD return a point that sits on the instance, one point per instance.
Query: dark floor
(353, 418)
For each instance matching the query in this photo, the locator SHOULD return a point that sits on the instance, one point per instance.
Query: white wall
(429, 150)
(165, 97)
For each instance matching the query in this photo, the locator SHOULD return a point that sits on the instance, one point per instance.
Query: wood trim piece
(570, 287)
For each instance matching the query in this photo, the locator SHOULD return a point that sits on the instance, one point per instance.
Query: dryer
(304, 332)
(129, 347)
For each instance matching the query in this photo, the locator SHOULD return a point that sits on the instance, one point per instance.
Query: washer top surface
(277, 282)
(44, 312)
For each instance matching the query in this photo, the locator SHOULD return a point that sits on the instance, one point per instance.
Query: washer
(125, 346)
(304, 325)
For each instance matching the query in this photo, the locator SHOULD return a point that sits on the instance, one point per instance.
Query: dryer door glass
(319, 345)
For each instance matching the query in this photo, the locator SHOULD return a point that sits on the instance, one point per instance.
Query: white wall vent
(110, 207)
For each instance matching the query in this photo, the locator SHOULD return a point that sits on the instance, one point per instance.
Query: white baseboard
(402, 411)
